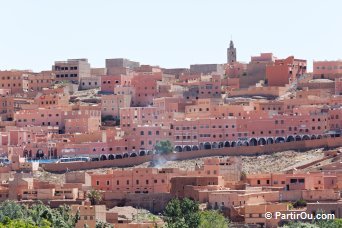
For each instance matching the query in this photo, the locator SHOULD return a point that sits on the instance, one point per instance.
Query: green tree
(45, 223)
(94, 197)
(180, 223)
(63, 217)
(182, 213)
(332, 223)
(338, 222)
(163, 147)
(13, 214)
(12, 210)
(39, 212)
(19, 223)
(212, 218)
(173, 212)
(190, 211)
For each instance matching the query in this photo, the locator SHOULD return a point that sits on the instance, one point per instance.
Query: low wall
(310, 195)
(227, 151)
(154, 202)
(125, 162)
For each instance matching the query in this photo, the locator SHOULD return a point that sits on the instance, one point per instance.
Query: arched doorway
(233, 144)
(298, 138)
(239, 143)
(26, 153)
(253, 142)
(178, 148)
(279, 140)
(262, 141)
(207, 146)
(290, 138)
(306, 137)
(133, 155)
(245, 143)
(270, 141)
(226, 144)
(313, 137)
(125, 155)
(142, 153)
(118, 156)
(220, 145)
(214, 145)
(103, 157)
(187, 148)
(194, 147)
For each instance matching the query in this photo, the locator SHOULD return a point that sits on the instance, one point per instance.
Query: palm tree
(94, 197)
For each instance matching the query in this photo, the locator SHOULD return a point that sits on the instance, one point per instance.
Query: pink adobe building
(242, 75)
(35, 82)
(133, 116)
(112, 104)
(285, 71)
(88, 124)
(138, 180)
(296, 181)
(236, 70)
(203, 87)
(338, 86)
(71, 70)
(248, 129)
(91, 82)
(147, 91)
(239, 198)
(327, 69)
(6, 105)
(114, 65)
(109, 82)
(12, 80)
(50, 98)
(66, 118)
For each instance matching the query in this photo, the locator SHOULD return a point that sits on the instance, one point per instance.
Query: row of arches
(39, 153)
(104, 157)
(248, 142)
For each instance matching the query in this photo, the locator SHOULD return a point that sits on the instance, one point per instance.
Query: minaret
(231, 53)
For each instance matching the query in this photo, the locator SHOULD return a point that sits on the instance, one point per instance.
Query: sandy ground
(276, 162)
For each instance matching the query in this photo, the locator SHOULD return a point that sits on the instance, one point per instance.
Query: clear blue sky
(173, 33)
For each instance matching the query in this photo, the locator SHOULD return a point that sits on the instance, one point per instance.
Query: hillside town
(119, 143)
